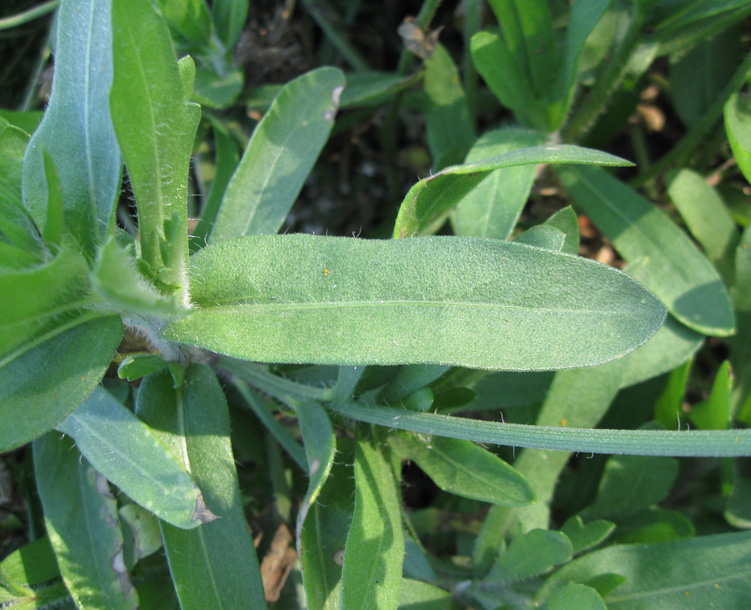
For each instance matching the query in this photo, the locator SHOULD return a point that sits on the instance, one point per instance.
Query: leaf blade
(468, 301)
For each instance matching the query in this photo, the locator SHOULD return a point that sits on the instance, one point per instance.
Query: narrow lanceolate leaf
(229, 20)
(77, 130)
(492, 207)
(130, 455)
(703, 443)
(449, 127)
(80, 513)
(446, 300)
(44, 382)
(707, 218)
(738, 128)
(703, 572)
(58, 288)
(372, 571)
(215, 565)
(281, 153)
(189, 17)
(679, 274)
(432, 197)
(155, 124)
(320, 448)
(465, 469)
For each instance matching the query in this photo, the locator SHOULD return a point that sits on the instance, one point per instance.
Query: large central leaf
(462, 301)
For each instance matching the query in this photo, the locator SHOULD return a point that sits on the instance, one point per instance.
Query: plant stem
(29, 15)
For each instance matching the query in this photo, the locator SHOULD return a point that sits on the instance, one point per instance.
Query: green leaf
(130, 455)
(135, 366)
(507, 80)
(447, 300)
(704, 443)
(530, 554)
(280, 155)
(707, 218)
(668, 408)
(653, 525)
(582, 21)
(142, 537)
(73, 362)
(668, 348)
(60, 287)
(54, 596)
(81, 143)
(54, 222)
(576, 597)
(565, 220)
(449, 128)
(681, 276)
(372, 571)
(493, 206)
(464, 469)
(189, 17)
(698, 76)
(217, 89)
(15, 221)
(155, 124)
(541, 236)
(80, 513)
(630, 484)
(409, 379)
(738, 127)
(225, 163)
(577, 398)
(32, 564)
(229, 18)
(585, 536)
(692, 574)
(714, 413)
(433, 197)
(372, 88)
(324, 536)
(117, 279)
(320, 448)
(418, 595)
(215, 565)
(738, 506)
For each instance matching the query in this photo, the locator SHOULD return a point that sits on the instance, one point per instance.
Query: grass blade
(704, 443)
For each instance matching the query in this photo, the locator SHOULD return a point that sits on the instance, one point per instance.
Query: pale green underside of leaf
(281, 153)
(432, 197)
(694, 574)
(679, 274)
(446, 300)
(130, 455)
(81, 517)
(73, 363)
(76, 130)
